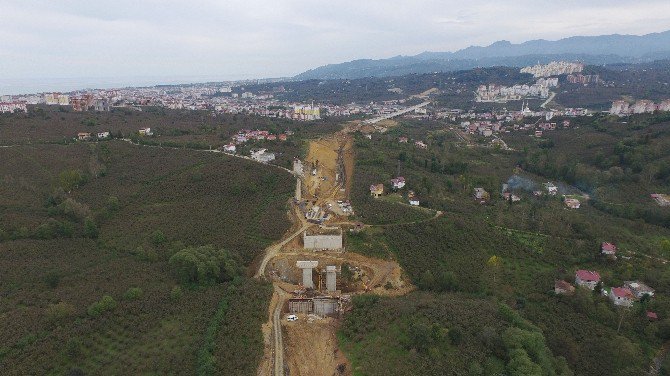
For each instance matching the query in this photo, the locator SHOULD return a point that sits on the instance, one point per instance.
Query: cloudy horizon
(259, 39)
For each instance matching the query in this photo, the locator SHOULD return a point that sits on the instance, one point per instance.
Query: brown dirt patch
(312, 347)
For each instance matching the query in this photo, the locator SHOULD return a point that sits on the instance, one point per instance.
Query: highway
(397, 113)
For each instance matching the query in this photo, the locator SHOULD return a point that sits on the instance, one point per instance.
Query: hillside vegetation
(504, 257)
(95, 243)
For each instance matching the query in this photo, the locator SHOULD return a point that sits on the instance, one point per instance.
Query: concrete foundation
(330, 240)
(325, 306)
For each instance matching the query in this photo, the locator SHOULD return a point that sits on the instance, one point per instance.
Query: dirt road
(272, 250)
(277, 333)
(331, 162)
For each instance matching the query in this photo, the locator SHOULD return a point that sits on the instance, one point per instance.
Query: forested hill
(604, 49)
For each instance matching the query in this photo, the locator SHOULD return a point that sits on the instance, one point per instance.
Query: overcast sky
(273, 38)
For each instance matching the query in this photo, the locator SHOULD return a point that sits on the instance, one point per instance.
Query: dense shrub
(132, 293)
(106, 303)
(59, 311)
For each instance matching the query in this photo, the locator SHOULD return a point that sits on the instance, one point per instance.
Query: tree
(158, 238)
(113, 203)
(447, 281)
(176, 293)
(90, 228)
(132, 293)
(70, 179)
(59, 311)
(520, 364)
(205, 265)
(665, 246)
(427, 280)
(107, 303)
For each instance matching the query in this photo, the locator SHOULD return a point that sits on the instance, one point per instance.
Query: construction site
(313, 275)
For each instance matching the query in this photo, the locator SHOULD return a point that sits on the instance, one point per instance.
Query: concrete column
(331, 278)
(307, 278)
(307, 267)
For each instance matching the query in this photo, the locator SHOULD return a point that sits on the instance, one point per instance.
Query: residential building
(101, 105)
(563, 287)
(12, 107)
(643, 106)
(607, 248)
(508, 196)
(377, 190)
(639, 289)
(306, 112)
(587, 278)
(398, 183)
(622, 296)
(552, 189)
(83, 136)
(262, 155)
(661, 199)
(619, 108)
(571, 203)
(481, 195)
(146, 132)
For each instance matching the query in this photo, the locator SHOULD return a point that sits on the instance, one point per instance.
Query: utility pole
(622, 313)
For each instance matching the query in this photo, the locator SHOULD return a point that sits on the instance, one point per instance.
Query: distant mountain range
(604, 49)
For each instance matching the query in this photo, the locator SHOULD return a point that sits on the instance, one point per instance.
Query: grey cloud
(256, 38)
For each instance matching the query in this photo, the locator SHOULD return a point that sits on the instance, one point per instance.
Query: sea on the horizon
(11, 86)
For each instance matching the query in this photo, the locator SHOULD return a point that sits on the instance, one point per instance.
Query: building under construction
(310, 300)
(322, 306)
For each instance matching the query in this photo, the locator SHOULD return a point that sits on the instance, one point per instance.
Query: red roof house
(622, 296)
(607, 248)
(587, 278)
(563, 287)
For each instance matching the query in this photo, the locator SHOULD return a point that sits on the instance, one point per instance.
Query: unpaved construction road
(271, 251)
(311, 346)
(277, 333)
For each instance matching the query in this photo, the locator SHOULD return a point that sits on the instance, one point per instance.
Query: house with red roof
(608, 249)
(563, 287)
(398, 183)
(652, 316)
(587, 278)
(622, 296)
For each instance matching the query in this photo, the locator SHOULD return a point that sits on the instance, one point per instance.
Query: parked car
(292, 318)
